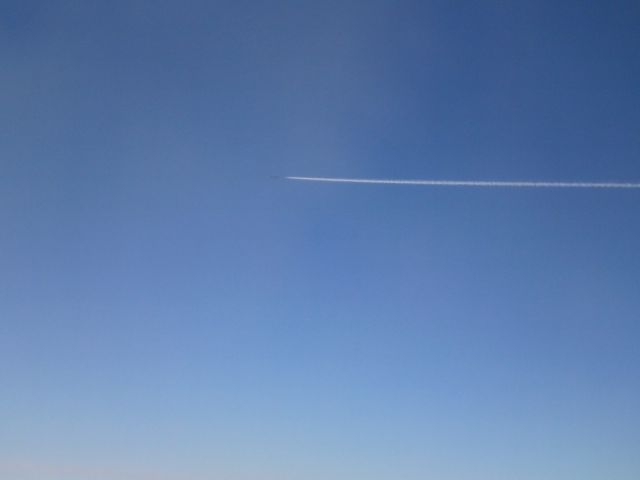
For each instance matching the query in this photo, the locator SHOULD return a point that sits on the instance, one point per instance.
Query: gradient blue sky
(168, 311)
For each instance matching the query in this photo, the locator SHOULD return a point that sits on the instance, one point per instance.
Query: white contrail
(470, 183)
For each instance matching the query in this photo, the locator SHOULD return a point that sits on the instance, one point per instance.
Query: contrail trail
(470, 183)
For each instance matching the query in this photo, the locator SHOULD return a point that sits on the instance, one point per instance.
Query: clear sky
(169, 311)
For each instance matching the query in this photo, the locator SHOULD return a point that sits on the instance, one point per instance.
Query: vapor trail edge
(469, 183)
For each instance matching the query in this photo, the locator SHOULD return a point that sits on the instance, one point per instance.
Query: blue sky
(167, 310)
